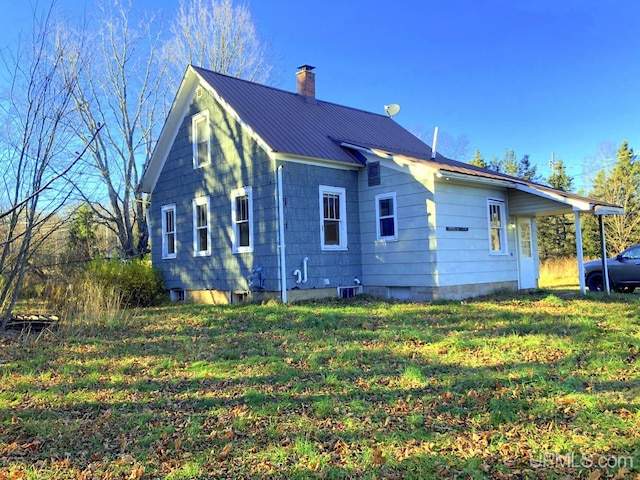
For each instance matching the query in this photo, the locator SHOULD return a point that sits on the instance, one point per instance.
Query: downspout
(283, 266)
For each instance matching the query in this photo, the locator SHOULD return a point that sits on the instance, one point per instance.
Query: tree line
(616, 184)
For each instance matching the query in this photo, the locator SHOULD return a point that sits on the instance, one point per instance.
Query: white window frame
(342, 220)
(195, 121)
(242, 192)
(166, 232)
(500, 228)
(387, 196)
(197, 251)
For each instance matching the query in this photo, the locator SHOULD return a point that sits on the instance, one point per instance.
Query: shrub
(136, 281)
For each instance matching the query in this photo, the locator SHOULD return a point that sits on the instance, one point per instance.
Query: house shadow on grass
(332, 389)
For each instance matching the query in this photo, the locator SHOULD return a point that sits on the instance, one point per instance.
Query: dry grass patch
(559, 272)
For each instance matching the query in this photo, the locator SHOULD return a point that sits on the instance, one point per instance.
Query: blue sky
(537, 76)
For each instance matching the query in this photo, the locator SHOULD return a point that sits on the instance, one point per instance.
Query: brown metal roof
(291, 123)
(294, 124)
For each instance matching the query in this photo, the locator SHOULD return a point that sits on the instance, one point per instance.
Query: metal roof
(295, 124)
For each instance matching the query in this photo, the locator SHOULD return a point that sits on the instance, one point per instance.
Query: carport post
(603, 252)
(579, 252)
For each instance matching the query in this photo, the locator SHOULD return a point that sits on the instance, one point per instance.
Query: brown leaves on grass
(458, 390)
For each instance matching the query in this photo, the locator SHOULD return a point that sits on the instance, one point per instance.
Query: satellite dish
(392, 109)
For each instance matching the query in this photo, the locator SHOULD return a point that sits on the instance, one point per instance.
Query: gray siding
(524, 204)
(301, 184)
(463, 256)
(409, 260)
(236, 161)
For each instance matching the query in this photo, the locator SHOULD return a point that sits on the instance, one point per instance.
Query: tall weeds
(91, 304)
(559, 272)
(85, 304)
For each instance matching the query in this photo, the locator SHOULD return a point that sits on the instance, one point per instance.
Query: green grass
(489, 388)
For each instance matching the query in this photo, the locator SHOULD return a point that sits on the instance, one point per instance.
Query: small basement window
(349, 292)
(240, 296)
(177, 295)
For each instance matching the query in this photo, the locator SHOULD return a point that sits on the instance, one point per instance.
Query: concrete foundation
(412, 294)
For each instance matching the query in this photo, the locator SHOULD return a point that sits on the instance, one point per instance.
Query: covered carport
(538, 200)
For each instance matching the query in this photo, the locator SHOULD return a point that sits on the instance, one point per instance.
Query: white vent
(198, 92)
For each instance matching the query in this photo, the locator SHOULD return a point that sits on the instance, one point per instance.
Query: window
(201, 139)
(524, 231)
(497, 227)
(169, 231)
(386, 226)
(632, 253)
(201, 227)
(242, 219)
(333, 218)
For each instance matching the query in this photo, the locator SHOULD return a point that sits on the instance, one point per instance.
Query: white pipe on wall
(298, 273)
(305, 266)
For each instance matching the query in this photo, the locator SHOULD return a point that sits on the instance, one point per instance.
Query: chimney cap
(306, 68)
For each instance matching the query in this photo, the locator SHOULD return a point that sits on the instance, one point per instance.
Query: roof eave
(575, 203)
(296, 158)
(169, 131)
(175, 118)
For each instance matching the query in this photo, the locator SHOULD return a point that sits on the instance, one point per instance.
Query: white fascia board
(174, 119)
(365, 150)
(316, 161)
(223, 103)
(446, 175)
(576, 203)
(608, 210)
(169, 131)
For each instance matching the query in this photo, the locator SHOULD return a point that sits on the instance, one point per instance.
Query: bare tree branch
(220, 36)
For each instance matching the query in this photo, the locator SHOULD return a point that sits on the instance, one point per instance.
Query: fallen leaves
(465, 390)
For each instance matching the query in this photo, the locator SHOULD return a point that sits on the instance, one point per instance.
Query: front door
(526, 266)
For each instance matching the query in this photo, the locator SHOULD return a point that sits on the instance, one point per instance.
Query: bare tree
(217, 35)
(35, 156)
(449, 146)
(121, 85)
(603, 159)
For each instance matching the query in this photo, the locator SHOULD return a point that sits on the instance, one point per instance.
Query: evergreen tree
(478, 160)
(82, 234)
(620, 187)
(557, 233)
(509, 165)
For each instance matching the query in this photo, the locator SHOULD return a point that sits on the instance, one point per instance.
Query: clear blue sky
(537, 77)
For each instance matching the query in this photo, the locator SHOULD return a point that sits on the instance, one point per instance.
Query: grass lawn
(538, 385)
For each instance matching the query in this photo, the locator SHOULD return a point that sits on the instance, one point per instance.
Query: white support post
(605, 266)
(583, 288)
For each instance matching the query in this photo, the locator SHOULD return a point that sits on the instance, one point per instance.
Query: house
(259, 192)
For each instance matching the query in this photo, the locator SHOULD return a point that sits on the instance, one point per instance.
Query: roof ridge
(281, 90)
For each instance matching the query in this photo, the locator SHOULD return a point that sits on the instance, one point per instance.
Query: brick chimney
(306, 81)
